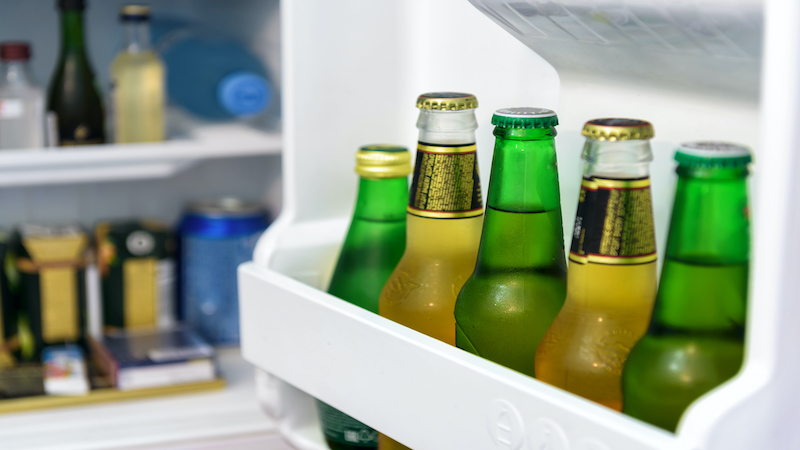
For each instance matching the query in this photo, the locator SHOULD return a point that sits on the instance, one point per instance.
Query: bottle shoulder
(25, 91)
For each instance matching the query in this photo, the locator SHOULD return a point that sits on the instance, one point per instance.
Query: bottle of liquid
(209, 73)
(137, 76)
(520, 280)
(373, 246)
(444, 217)
(22, 122)
(696, 338)
(73, 96)
(612, 271)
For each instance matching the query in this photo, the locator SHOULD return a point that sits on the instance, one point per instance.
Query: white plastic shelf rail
(352, 71)
(111, 162)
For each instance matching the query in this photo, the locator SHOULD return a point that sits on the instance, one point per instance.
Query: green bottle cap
(713, 153)
(524, 118)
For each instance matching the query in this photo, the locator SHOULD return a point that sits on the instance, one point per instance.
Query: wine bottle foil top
(525, 117)
(15, 51)
(383, 161)
(617, 129)
(713, 153)
(134, 12)
(73, 5)
(447, 101)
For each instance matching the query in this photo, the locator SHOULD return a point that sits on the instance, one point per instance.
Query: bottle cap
(134, 13)
(15, 51)
(447, 101)
(713, 153)
(613, 129)
(524, 118)
(72, 5)
(383, 161)
(243, 93)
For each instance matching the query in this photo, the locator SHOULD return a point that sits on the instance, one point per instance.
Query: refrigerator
(348, 73)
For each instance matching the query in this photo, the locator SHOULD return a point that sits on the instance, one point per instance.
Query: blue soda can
(215, 237)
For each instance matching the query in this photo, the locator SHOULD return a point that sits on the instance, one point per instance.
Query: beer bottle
(612, 271)
(444, 221)
(696, 337)
(520, 279)
(371, 250)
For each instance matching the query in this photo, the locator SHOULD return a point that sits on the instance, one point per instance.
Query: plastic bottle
(21, 100)
(209, 73)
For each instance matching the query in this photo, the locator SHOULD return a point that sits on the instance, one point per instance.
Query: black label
(446, 182)
(614, 223)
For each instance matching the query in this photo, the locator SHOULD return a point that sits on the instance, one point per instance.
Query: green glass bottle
(374, 245)
(73, 97)
(519, 283)
(696, 337)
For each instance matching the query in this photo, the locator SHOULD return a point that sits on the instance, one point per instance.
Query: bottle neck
(137, 35)
(628, 159)
(710, 217)
(382, 200)
(524, 175)
(71, 30)
(704, 282)
(447, 127)
(15, 72)
(523, 227)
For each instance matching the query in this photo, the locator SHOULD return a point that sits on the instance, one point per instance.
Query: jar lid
(525, 117)
(225, 207)
(15, 51)
(383, 161)
(447, 101)
(616, 129)
(713, 153)
(134, 12)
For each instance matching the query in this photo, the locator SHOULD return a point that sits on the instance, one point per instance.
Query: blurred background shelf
(84, 164)
(227, 418)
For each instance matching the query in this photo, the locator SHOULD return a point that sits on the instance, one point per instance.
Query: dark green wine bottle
(373, 247)
(696, 337)
(519, 283)
(73, 95)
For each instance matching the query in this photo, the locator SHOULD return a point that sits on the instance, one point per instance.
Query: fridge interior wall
(353, 69)
(254, 22)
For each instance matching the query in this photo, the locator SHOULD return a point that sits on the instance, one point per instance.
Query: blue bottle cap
(243, 93)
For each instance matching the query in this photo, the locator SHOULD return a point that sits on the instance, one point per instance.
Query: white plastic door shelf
(133, 161)
(428, 395)
(443, 397)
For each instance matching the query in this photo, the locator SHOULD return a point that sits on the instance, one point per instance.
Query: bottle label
(339, 427)
(82, 135)
(614, 223)
(11, 108)
(446, 182)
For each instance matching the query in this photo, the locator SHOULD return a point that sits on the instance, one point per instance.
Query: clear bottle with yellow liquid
(137, 76)
(611, 283)
(445, 216)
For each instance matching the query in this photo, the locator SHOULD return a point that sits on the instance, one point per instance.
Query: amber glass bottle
(611, 285)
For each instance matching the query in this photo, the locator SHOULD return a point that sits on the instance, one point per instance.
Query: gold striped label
(59, 303)
(140, 291)
(446, 182)
(57, 260)
(614, 223)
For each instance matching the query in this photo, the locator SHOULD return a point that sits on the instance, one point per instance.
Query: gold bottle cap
(447, 101)
(383, 161)
(613, 129)
(135, 10)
